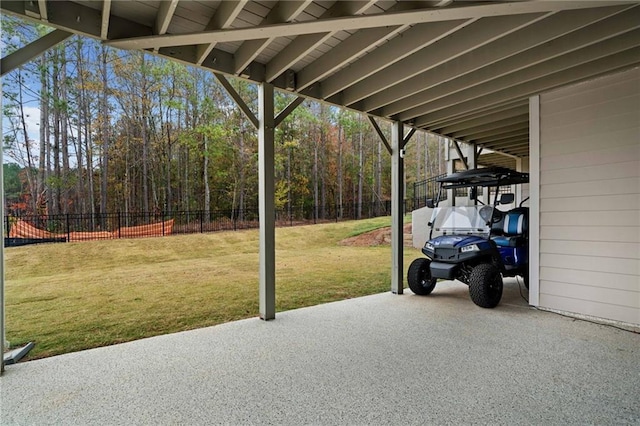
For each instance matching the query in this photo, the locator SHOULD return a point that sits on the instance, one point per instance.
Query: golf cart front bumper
(445, 271)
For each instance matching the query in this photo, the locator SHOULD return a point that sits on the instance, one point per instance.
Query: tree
(126, 132)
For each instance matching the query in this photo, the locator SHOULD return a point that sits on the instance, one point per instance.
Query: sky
(33, 112)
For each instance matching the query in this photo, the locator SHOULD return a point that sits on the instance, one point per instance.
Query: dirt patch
(377, 237)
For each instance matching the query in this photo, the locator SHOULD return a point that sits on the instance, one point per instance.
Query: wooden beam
(407, 138)
(567, 25)
(459, 151)
(164, 16)
(381, 135)
(306, 43)
(283, 11)
(238, 99)
(223, 17)
(288, 110)
(106, 14)
(32, 50)
(352, 23)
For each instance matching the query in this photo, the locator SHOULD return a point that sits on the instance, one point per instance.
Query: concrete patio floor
(381, 359)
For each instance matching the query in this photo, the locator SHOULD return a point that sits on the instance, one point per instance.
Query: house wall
(589, 198)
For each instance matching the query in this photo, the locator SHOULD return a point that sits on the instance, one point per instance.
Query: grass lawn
(74, 296)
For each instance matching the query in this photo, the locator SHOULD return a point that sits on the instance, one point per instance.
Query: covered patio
(472, 71)
(380, 359)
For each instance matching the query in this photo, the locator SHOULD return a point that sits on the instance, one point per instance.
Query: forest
(125, 131)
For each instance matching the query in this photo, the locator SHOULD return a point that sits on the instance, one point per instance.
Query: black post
(119, 226)
(68, 228)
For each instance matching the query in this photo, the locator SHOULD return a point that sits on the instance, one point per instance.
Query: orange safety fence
(22, 229)
(88, 235)
(152, 230)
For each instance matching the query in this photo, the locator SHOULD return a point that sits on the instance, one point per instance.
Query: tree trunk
(379, 179)
(104, 121)
(360, 167)
(64, 134)
(205, 177)
(323, 142)
(82, 120)
(30, 169)
(289, 182)
(44, 133)
(340, 178)
(242, 179)
(56, 133)
(145, 138)
(315, 181)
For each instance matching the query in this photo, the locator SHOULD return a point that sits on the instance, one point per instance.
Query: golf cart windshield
(471, 220)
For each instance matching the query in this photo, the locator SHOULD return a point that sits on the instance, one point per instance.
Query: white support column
(534, 201)
(267, 202)
(518, 188)
(397, 207)
(2, 314)
(473, 157)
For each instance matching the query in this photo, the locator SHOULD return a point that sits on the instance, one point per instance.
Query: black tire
(485, 285)
(419, 277)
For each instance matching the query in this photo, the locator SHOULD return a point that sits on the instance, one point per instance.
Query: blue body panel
(457, 240)
(514, 256)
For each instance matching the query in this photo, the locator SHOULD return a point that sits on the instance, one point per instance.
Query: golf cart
(477, 244)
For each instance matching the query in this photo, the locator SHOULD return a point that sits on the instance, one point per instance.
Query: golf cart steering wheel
(497, 216)
(490, 215)
(485, 213)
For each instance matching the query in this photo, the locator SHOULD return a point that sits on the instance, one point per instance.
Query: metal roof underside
(462, 69)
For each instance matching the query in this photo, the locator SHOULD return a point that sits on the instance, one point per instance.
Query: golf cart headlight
(471, 247)
(429, 246)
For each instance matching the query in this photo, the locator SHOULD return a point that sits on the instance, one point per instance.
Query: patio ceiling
(461, 69)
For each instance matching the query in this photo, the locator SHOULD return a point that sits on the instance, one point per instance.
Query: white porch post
(2, 305)
(267, 202)
(397, 207)
(534, 201)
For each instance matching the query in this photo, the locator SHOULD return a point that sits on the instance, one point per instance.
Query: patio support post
(265, 122)
(397, 204)
(518, 188)
(472, 162)
(266, 191)
(2, 227)
(534, 201)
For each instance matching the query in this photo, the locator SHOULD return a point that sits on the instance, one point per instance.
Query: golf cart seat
(515, 227)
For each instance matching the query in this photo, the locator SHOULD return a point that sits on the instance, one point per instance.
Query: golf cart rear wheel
(419, 277)
(485, 285)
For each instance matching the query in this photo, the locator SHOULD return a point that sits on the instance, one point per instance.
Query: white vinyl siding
(589, 220)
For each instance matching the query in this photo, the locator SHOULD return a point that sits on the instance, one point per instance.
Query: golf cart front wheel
(419, 277)
(485, 285)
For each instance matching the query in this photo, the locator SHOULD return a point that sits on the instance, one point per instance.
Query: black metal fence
(426, 189)
(28, 229)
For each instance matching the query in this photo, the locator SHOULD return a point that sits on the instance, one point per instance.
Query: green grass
(362, 226)
(69, 297)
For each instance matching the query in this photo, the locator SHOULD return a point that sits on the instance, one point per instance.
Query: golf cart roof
(489, 176)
